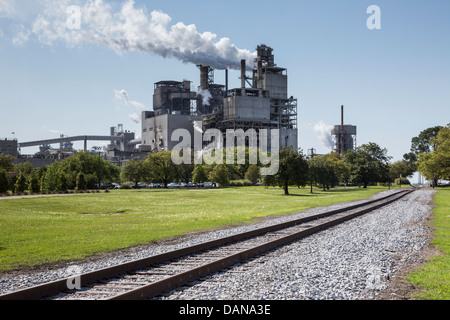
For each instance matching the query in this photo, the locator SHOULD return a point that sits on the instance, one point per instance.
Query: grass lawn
(38, 231)
(434, 277)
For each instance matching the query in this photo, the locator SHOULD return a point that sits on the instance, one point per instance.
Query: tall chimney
(226, 82)
(204, 70)
(260, 74)
(243, 69)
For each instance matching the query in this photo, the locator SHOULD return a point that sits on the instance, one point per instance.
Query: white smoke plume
(206, 96)
(137, 107)
(54, 131)
(132, 29)
(324, 131)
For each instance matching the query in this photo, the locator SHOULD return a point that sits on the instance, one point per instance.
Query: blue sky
(394, 82)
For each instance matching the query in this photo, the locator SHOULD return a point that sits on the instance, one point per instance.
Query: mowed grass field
(46, 230)
(434, 278)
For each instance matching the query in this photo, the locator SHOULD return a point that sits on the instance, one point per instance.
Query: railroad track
(156, 275)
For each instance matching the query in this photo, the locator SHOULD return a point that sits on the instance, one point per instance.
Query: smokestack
(260, 73)
(226, 82)
(204, 70)
(243, 69)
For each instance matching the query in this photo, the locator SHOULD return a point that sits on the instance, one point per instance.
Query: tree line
(368, 164)
(430, 154)
(80, 172)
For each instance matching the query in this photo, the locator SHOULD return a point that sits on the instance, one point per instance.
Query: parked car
(139, 186)
(105, 186)
(209, 185)
(173, 186)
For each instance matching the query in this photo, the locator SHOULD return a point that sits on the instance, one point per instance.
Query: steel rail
(87, 279)
(176, 281)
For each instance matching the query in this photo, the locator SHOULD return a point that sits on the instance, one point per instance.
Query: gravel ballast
(349, 262)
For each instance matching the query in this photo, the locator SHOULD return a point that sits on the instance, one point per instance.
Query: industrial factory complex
(261, 102)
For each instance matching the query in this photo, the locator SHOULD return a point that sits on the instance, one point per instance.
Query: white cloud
(21, 38)
(7, 8)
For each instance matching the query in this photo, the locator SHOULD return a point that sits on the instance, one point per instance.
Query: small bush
(240, 183)
(402, 181)
(81, 182)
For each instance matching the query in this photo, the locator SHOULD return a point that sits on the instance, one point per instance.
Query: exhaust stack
(243, 77)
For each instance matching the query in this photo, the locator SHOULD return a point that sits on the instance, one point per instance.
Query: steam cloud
(324, 131)
(132, 29)
(206, 96)
(137, 107)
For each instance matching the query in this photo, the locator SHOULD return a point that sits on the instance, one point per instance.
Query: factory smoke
(206, 96)
(122, 95)
(132, 29)
(324, 132)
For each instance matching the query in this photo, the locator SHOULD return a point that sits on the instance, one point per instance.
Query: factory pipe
(243, 77)
(226, 82)
(260, 74)
(204, 77)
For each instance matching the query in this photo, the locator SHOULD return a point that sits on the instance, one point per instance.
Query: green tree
(436, 164)
(423, 142)
(50, 180)
(89, 164)
(241, 162)
(400, 169)
(253, 174)
(4, 181)
(81, 182)
(184, 172)
(135, 171)
(340, 168)
(6, 162)
(220, 175)
(21, 183)
(25, 167)
(419, 145)
(368, 164)
(199, 175)
(293, 170)
(34, 185)
(161, 167)
(321, 172)
(63, 183)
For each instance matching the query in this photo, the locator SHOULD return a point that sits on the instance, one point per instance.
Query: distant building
(9, 147)
(262, 104)
(175, 107)
(344, 136)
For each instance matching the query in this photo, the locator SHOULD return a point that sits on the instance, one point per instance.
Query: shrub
(220, 175)
(126, 185)
(21, 184)
(81, 182)
(4, 182)
(34, 185)
(252, 174)
(63, 182)
(399, 181)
